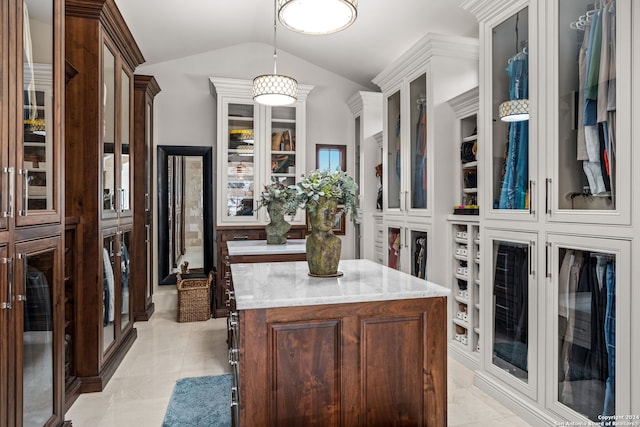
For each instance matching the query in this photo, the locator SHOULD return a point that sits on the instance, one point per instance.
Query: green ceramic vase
(323, 247)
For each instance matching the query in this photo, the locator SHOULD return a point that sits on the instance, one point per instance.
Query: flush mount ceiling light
(317, 16)
(275, 89)
(515, 110)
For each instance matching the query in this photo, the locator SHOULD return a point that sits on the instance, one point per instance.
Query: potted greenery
(278, 199)
(319, 194)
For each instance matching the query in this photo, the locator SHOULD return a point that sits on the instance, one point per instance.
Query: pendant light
(515, 110)
(274, 89)
(317, 16)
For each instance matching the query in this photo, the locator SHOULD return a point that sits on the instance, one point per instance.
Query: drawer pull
(233, 356)
(241, 237)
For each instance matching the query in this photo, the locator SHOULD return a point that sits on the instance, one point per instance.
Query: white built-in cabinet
(418, 149)
(257, 145)
(366, 108)
(557, 228)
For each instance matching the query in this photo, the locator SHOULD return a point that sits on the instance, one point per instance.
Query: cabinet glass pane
(511, 307)
(108, 293)
(147, 206)
(125, 271)
(37, 168)
(418, 143)
(38, 340)
(586, 332)
(108, 130)
(587, 106)
(510, 150)
(393, 155)
(419, 254)
(283, 145)
(240, 161)
(394, 246)
(125, 144)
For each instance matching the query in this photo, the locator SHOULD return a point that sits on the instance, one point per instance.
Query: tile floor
(138, 393)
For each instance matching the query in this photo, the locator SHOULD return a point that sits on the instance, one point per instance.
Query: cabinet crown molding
(361, 99)
(483, 9)
(466, 103)
(420, 54)
(107, 12)
(146, 83)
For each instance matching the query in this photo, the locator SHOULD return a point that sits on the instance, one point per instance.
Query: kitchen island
(368, 348)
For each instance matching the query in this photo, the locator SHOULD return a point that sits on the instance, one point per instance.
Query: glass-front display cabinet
(510, 166)
(590, 181)
(408, 249)
(406, 164)
(257, 145)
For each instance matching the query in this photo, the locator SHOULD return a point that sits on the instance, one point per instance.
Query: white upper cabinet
(256, 145)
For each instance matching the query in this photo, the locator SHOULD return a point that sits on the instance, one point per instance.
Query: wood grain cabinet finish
(100, 172)
(358, 364)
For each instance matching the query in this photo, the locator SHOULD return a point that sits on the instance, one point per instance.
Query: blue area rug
(200, 402)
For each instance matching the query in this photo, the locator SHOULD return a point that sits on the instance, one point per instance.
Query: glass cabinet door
(5, 310)
(126, 186)
(417, 192)
(591, 145)
(590, 290)
(108, 291)
(513, 309)
(510, 164)
(4, 147)
(125, 273)
(108, 131)
(394, 156)
(241, 170)
(394, 247)
(37, 185)
(36, 293)
(417, 248)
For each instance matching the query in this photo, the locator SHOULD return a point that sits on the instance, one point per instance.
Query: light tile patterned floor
(138, 393)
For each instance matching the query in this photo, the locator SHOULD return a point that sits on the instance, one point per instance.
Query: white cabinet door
(589, 137)
(586, 349)
(511, 148)
(511, 308)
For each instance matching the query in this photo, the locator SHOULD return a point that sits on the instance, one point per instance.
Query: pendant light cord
(275, 55)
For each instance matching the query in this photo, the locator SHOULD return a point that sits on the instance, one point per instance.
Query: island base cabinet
(376, 363)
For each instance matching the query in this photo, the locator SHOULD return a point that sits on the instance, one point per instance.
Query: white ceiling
(384, 29)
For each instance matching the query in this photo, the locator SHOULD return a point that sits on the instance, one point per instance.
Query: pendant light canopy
(275, 89)
(317, 16)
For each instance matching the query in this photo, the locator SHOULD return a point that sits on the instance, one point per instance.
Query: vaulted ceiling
(384, 29)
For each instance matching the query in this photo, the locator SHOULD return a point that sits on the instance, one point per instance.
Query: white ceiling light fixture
(275, 89)
(317, 16)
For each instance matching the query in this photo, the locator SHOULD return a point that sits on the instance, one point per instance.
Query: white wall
(185, 112)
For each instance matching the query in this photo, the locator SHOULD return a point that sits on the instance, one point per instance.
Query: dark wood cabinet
(379, 363)
(227, 234)
(145, 90)
(100, 171)
(31, 213)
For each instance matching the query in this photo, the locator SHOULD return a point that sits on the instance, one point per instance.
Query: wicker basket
(194, 298)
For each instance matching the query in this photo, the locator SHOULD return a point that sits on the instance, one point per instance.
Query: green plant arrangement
(319, 194)
(326, 185)
(277, 199)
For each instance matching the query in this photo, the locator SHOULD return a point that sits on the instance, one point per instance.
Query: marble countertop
(260, 247)
(288, 284)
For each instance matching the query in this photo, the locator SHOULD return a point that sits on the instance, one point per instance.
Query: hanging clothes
(419, 179)
(515, 184)
(108, 284)
(420, 257)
